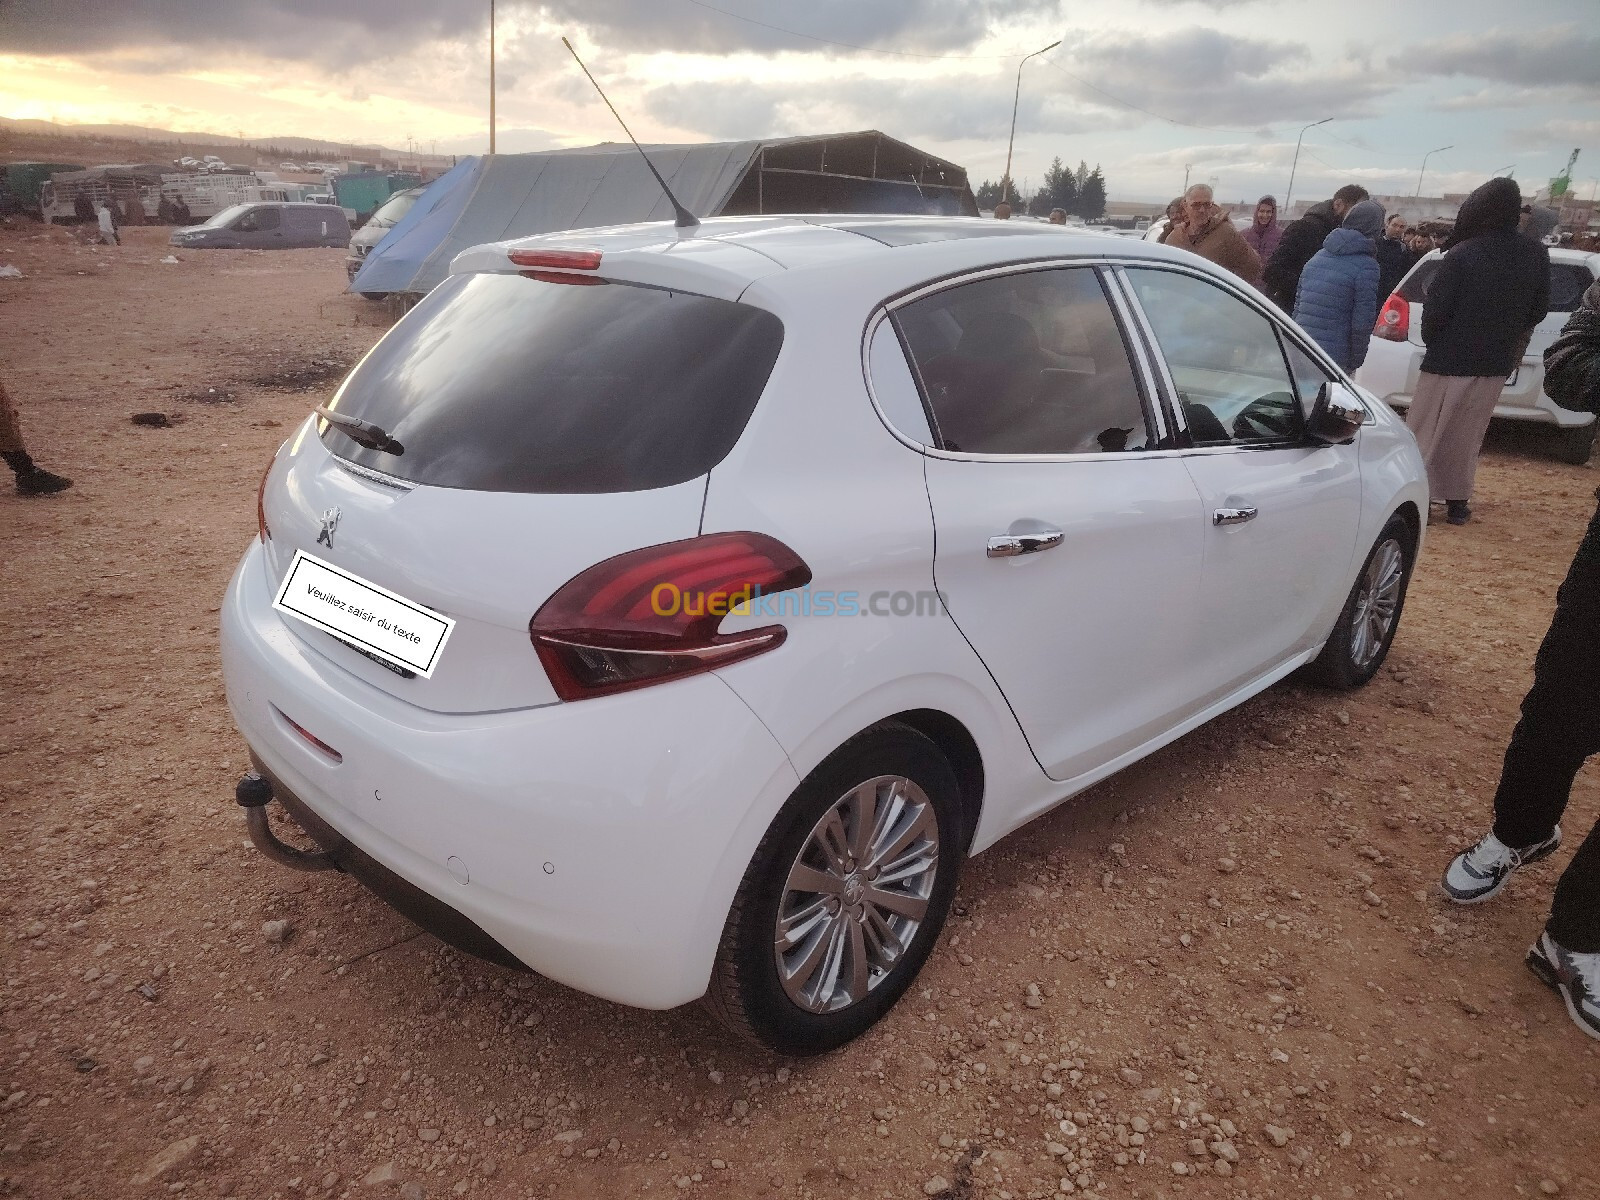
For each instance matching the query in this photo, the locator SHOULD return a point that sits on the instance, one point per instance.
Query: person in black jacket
(1394, 257)
(1281, 278)
(1559, 729)
(1490, 291)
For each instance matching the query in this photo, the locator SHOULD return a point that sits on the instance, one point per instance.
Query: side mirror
(1336, 417)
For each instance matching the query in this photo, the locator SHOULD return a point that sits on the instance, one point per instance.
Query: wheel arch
(960, 748)
(1407, 512)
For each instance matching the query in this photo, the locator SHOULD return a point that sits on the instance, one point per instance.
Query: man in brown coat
(1206, 230)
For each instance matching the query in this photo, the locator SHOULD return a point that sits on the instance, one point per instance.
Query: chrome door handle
(1009, 545)
(1233, 516)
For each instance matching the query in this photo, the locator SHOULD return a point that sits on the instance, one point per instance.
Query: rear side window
(1415, 285)
(510, 384)
(1568, 282)
(1030, 363)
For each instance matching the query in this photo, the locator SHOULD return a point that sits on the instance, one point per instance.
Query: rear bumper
(429, 912)
(1393, 368)
(598, 843)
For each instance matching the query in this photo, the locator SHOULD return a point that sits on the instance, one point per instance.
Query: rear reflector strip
(309, 736)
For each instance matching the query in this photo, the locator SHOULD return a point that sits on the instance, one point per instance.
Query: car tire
(1366, 626)
(848, 959)
(1576, 443)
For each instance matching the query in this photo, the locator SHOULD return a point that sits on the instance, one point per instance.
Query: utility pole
(491, 76)
(1186, 178)
(1005, 180)
(1288, 199)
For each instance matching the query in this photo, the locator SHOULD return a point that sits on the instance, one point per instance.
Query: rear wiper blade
(362, 433)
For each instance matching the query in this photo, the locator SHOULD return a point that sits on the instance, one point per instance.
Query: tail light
(261, 503)
(1394, 319)
(653, 614)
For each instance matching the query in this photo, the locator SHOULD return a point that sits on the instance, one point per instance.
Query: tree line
(1081, 192)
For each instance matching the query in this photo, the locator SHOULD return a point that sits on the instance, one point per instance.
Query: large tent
(494, 197)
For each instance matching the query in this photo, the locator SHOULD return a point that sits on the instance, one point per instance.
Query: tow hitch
(254, 794)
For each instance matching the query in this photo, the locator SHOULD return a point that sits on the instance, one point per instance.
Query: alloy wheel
(856, 894)
(1377, 603)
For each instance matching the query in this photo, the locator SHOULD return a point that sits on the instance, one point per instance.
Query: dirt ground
(1226, 972)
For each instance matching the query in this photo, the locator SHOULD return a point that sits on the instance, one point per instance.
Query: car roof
(723, 255)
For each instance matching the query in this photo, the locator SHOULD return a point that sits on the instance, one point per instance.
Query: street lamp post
(1425, 158)
(491, 76)
(1288, 199)
(1005, 180)
(1510, 171)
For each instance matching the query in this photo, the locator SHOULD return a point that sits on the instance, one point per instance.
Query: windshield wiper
(362, 433)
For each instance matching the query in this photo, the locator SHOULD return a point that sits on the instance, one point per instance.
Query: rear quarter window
(513, 384)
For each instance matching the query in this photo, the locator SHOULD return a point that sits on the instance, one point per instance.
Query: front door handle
(1233, 516)
(1009, 545)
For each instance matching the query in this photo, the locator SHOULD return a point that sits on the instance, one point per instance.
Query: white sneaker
(1476, 875)
(1575, 976)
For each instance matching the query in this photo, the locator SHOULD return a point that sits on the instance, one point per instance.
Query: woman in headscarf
(1490, 291)
(1265, 232)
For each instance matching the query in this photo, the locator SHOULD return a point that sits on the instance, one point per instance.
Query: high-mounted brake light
(651, 615)
(1394, 320)
(559, 260)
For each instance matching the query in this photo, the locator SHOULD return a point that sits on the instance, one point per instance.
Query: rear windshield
(510, 384)
(1568, 282)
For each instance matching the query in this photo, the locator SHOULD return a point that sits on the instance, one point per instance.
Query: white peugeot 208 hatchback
(671, 612)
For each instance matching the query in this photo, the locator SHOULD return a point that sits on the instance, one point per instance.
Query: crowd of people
(1332, 268)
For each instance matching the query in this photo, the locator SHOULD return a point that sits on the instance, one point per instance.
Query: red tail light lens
(560, 260)
(261, 503)
(652, 615)
(1394, 319)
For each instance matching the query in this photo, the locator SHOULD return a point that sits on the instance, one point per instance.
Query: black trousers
(1559, 729)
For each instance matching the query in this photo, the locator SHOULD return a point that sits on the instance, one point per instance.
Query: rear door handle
(1009, 545)
(1233, 516)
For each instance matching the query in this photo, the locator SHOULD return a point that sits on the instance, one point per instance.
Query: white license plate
(331, 599)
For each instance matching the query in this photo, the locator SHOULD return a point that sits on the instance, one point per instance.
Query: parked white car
(671, 612)
(1394, 359)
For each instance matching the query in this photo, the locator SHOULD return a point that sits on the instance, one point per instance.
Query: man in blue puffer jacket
(1337, 303)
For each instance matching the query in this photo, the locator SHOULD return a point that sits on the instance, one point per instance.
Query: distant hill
(27, 132)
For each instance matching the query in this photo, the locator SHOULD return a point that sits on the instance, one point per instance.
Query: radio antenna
(686, 219)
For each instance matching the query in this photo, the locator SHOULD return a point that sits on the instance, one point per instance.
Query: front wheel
(1366, 627)
(845, 896)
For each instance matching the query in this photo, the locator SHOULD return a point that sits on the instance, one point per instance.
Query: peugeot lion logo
(330, 522)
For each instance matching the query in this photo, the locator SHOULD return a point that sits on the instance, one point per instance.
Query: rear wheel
(1576, 443)
(1361, 637)
(845, 896)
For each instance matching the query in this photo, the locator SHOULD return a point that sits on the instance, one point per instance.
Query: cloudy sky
(1144, 87)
